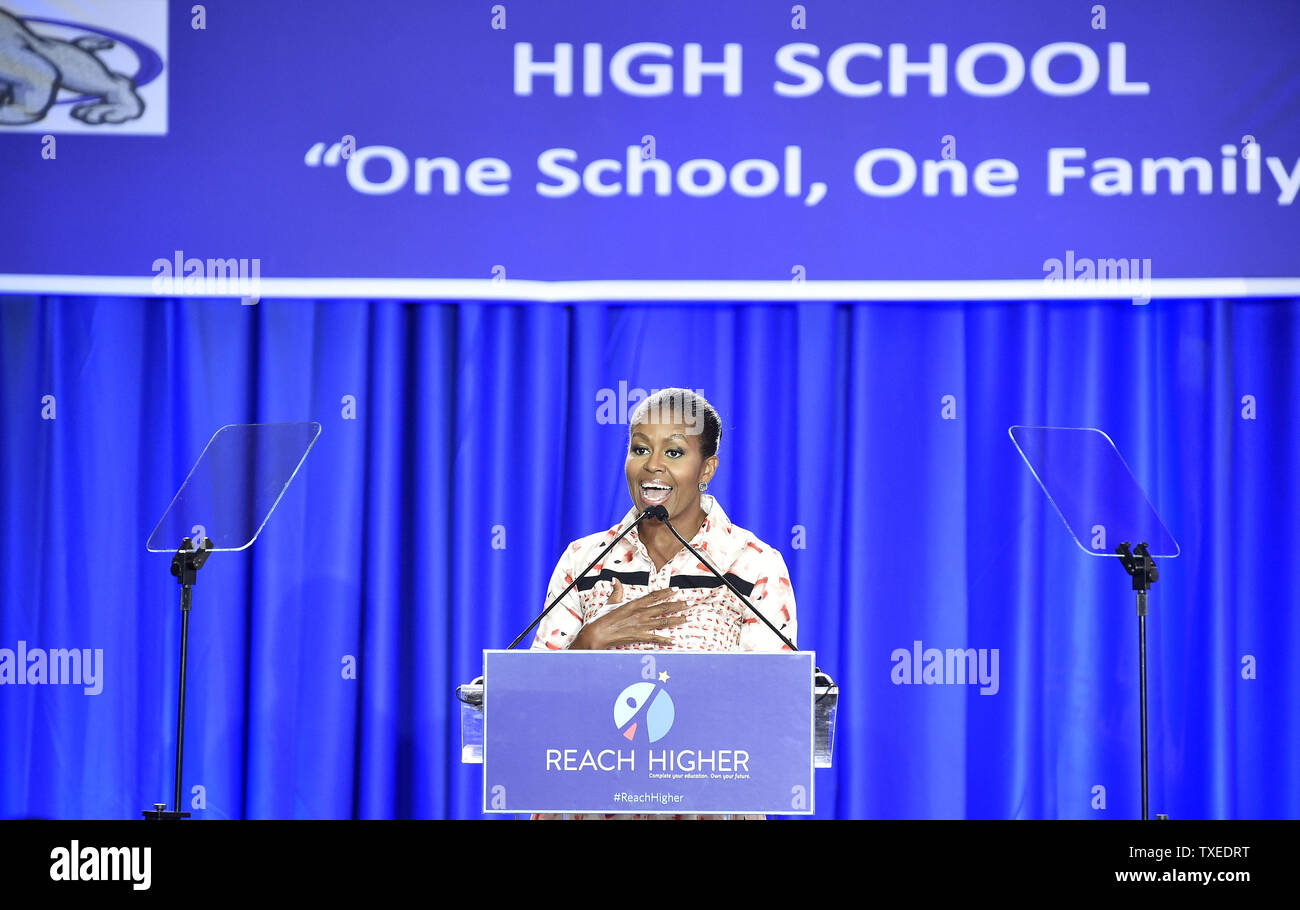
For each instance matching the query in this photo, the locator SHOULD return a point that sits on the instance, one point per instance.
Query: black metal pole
(1142, 670)
(186, 595)
(1138, 563)
(185, 566)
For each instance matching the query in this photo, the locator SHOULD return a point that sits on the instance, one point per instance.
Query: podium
(648, 732)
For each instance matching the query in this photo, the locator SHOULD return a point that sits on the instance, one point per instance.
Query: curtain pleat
(463, 445)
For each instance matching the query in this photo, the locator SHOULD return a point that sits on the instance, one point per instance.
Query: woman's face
(664, 467)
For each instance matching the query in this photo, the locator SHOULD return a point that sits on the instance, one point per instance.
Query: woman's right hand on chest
(641, 621)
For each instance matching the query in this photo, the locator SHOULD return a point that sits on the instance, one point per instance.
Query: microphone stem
(540, 616)
(727, 582)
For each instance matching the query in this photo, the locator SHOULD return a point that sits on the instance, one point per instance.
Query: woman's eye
(676, 452)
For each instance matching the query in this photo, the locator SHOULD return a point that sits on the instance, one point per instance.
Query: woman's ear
(710, 468)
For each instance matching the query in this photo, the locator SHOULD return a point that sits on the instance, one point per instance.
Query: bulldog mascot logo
(33, 68)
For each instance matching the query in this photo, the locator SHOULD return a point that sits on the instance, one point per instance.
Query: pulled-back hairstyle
(690, 408)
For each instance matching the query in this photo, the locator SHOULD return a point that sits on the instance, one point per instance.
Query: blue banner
(662, 732)
(935, 149)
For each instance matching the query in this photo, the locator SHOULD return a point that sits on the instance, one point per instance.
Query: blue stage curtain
(463, 446)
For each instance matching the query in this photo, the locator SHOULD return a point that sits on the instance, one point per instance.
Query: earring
(704, 485)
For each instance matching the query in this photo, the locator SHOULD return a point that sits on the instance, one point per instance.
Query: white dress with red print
(716, 620)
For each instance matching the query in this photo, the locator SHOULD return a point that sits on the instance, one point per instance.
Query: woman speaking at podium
(650, 593)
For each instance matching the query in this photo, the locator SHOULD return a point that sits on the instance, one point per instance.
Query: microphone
(640, 518)
(662, 514)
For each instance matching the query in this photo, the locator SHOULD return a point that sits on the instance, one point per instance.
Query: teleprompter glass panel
(1092, 488)
(235, 485)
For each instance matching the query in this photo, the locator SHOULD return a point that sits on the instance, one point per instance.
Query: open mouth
(655, 493)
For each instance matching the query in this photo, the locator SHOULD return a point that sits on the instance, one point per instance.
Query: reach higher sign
(911, 150)
(664, 732)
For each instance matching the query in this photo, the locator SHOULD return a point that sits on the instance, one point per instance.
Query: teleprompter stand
(1138, 563)
(1096, 495)
(223, 505)
(185, 566)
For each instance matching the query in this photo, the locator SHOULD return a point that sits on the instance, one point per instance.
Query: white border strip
(692, 290)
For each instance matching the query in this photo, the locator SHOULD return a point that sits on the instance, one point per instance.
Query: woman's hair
(691, 409)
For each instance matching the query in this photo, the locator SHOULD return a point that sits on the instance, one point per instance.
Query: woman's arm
(776, 602)
(560, 627)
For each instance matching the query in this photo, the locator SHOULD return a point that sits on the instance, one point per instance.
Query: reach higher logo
(646, 709)
(659, 711)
